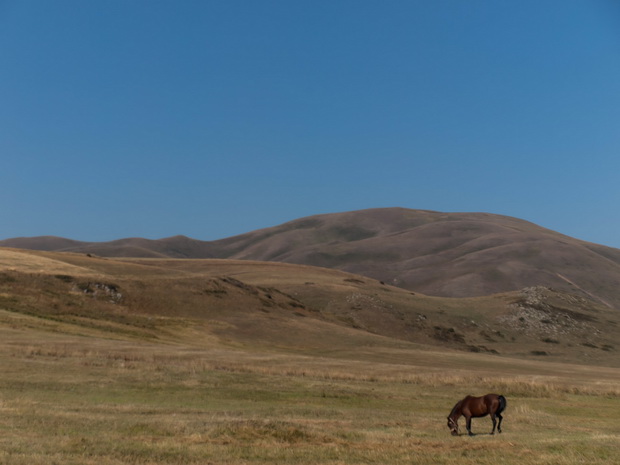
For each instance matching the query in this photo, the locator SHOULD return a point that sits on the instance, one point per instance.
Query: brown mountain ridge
(434, 253)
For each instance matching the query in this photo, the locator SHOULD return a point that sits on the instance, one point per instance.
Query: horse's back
(481, 406)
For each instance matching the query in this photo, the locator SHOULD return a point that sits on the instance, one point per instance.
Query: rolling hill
(434, 253)
(292, 308)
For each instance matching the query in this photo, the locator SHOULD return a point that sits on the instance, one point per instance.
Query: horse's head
(454, 427)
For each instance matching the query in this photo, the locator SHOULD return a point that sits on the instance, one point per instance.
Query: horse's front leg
(468, 423)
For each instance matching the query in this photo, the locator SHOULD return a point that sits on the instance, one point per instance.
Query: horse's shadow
(476, 434)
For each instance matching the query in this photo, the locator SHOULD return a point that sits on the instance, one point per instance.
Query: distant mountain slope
(442, 254)
(48, 243)
(170, 247)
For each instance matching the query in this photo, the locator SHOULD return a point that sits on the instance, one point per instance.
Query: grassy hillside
(300, 307)
(154, 361)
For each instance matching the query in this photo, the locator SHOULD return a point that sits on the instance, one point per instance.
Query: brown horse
(475, 407)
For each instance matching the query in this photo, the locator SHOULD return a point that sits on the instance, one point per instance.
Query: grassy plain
(81, 400)
(89, 378)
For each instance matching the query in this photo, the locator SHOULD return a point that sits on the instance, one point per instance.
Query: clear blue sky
(125, 118)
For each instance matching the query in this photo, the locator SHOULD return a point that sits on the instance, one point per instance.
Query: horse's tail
(502, 404)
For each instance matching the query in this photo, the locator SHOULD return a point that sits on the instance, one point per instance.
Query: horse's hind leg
(494, 423)
(499, 425)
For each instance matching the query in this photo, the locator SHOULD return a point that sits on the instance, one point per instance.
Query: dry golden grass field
(109, 361)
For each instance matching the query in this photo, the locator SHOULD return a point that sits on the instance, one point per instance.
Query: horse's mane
(456, 410)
